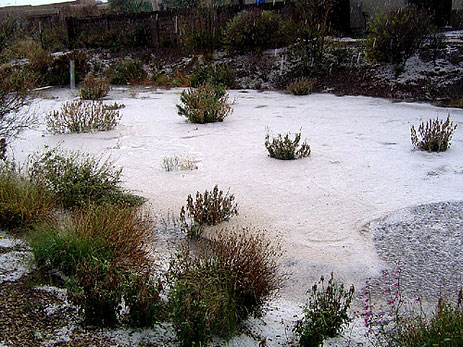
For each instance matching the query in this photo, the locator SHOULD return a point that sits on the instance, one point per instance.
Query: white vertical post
(72, 74)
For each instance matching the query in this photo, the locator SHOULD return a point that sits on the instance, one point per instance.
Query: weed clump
(209, 208)
(205, 104)
(127, 71)
(285, 148)
(94, 88)
(176, 162)
(216, 74)
(301, 86)
(81, 117)
(434, 135)
(325, 313)
(78, 179)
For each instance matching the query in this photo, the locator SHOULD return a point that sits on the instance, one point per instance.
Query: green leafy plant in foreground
(325, 313)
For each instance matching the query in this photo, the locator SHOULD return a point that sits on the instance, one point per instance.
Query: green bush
(254, 30)
(22, 202)
(81, 117)
(216, 74)
(58, 72)
(396, 35)
(301, 86)
(325, 313)
(199, 301)
(215, 291)
(128, 71)
(205, 104)
(210, 208)
(285, 148)
(78, 179)
(434, 135)
(94, 88)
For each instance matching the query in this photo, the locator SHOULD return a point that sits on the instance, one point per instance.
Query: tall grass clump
(22, 202)
(434, 135)
(325, 312)
(206, 104)
(210, 208)
(214, 291)
(102, 251)
(285, 148)
(78, 179)
(81, 117)
(94, 88)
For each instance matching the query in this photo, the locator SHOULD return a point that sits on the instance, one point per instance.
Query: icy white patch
(14, 265)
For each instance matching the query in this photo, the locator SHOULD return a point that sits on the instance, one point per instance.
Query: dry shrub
(301, 86)
(434, 135)
(209, 208)
(94, 88)
(285, 148)
(249, 261)
(81, 116)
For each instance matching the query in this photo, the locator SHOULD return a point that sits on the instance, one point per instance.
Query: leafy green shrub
(325, 313)
(205, 104)
(99, 291)
(142, 298)
(253, 30)
(301, 86)
(434, 135)
(22, 202)
(396, 35)
(58, 72)
(214, 74)
(285, 148)
(128, 71)
(199, 302)
(214, 291)
(78, 179)
(210, 208)
(94, 88)
(81, 117)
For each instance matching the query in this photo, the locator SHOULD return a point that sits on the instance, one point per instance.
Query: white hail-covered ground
(362, 167)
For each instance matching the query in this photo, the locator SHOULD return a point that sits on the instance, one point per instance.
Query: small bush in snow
(206, 104)
(396, 35)
(286, 148)
(210, 208)
(434, 135)
(94, 88)
(82, 116)
(128, 71)
(175, 162)
(301, 86)
(325, 312)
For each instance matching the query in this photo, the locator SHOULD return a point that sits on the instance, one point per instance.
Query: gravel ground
(425, 241)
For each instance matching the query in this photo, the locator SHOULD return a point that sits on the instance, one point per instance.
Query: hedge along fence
(170, 29)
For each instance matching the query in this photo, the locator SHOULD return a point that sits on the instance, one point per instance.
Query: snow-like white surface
(362, 166)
